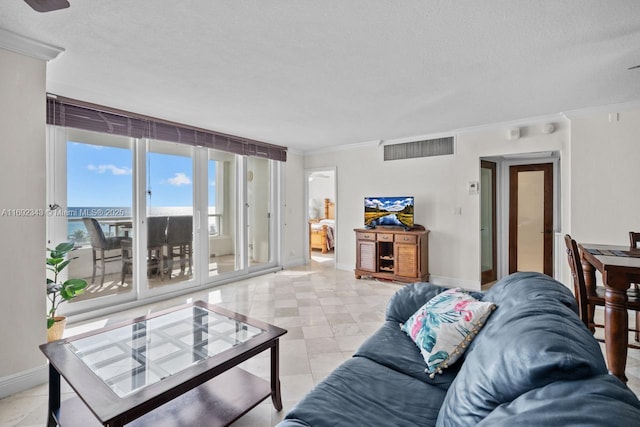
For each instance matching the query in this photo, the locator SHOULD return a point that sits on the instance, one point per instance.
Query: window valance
(72, 113)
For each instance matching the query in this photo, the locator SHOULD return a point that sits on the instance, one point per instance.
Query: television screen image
(386, 211)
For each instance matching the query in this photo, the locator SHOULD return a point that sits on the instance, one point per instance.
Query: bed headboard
(329, 209)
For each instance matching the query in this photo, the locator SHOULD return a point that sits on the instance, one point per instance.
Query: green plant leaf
(50, 322)
(62, 265)
(65, 247)
(54, 260)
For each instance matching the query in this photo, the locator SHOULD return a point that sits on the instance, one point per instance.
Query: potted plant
(57, 293)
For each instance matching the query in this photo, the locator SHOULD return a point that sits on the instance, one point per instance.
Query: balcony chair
(587, 298)
(101, 244)
(156, 241)
(180, 241)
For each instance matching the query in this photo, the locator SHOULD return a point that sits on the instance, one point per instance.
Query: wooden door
(531, 218)
(406, 260)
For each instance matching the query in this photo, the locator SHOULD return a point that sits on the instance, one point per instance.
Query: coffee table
(177, 367)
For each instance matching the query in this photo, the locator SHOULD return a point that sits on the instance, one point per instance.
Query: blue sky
(103, 176)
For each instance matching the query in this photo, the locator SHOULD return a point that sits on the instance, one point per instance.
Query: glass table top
(137, 355)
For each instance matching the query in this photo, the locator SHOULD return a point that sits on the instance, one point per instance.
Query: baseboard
(345, 267)
(24, 380)
(293, 262)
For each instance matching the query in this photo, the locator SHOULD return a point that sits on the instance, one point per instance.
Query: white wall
(605, 171)
(439, 185)
(293, 211)
(22, 306)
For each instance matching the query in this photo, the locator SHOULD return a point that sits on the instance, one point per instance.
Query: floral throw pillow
(443, 327)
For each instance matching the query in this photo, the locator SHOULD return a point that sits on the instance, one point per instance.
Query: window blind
(72, 113)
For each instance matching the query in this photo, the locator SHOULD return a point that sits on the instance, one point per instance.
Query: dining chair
(589, 298)
(180, 241)
(100, 244)
(156, 241)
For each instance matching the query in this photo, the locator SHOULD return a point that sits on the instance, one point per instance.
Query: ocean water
(77, 232)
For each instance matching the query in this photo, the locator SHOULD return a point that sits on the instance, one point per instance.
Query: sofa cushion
(598, 401)
(444, 326)
(391, 347)
(533, 338)
(361, 392)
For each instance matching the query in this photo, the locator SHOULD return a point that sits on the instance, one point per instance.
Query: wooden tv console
(393, 253)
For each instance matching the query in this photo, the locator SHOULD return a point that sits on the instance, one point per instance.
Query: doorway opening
(321, 215)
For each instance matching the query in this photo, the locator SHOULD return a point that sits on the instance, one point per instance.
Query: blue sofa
(533, 363)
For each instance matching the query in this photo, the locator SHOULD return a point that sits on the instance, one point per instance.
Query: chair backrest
(579, 285)
(180, 230)
(156, 231)
(634, 239)
(98, 241)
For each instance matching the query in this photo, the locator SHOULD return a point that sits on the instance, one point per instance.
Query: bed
(321, 231)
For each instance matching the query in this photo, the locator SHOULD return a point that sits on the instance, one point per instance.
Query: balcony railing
(121, 226)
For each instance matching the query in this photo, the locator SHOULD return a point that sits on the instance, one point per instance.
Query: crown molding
(27, 46)
(624, 106)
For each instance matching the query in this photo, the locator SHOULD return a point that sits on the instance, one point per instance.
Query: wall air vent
(414, 149)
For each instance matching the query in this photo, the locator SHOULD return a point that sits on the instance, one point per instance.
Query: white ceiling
(310, 74)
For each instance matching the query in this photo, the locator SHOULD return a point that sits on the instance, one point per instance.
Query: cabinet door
(366, 256)
(406, 260)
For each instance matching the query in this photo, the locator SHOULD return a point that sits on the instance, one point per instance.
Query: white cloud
(115, 170)
(179, 179)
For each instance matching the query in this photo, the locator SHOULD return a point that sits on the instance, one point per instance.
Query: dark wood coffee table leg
(54, 396)
(276, 397)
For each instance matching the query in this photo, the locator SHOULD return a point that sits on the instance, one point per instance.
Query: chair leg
(637, 326)
(93, 275)
(591, 310)
(102, 268)
(190, 255)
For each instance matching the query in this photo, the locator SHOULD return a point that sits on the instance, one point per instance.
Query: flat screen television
(388, 211)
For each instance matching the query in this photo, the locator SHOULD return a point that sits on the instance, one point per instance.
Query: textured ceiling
(313, 74)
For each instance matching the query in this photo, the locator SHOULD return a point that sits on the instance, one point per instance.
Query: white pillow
(443, 327)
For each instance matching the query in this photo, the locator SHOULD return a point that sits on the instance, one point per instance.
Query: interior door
(531, 218)
(488, 240)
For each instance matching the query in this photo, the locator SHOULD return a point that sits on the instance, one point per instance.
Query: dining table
(120, 224)
(619, 267)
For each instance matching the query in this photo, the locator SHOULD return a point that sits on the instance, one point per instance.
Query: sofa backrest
(533, 338)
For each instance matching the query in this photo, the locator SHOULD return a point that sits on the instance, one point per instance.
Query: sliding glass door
(90, 198)
(169, 217)
(151, 217)
(259, 204)
(222, 234)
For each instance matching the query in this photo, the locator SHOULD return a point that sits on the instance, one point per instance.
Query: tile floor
(327, 312)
